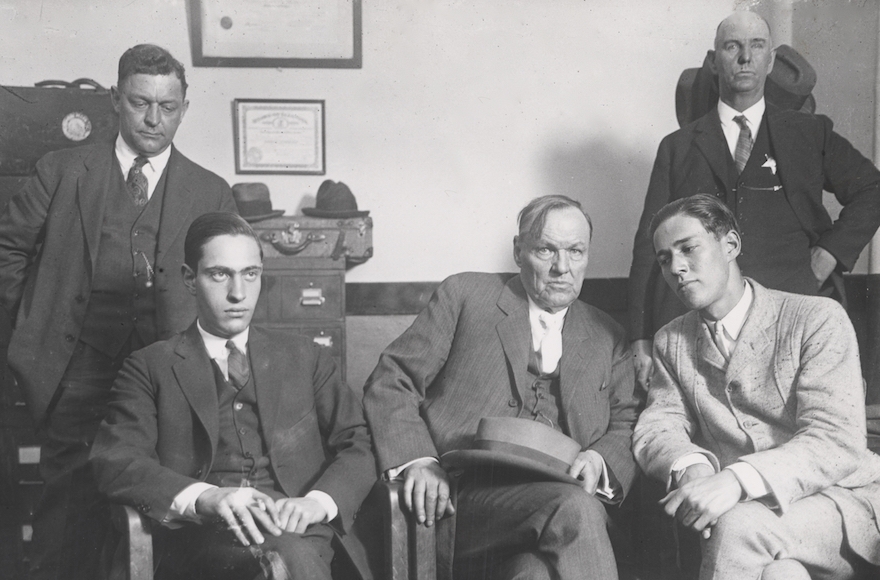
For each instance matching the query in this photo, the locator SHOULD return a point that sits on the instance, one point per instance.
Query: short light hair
(532, 217)
(210, 225)
(715, 216)
(149, 59)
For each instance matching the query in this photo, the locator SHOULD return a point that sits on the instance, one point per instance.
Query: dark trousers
(71, 522)
(510, 526)
(212, 552)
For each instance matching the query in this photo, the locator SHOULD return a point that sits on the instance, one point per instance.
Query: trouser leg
(72, 522)
(501, 516)
(751, 536)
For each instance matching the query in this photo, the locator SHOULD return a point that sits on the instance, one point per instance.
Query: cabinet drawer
(290, 298)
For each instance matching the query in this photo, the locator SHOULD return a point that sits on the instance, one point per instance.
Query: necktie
(137, 181)
(743, 143)
(237, 365)
(718, 337)
(551, 345)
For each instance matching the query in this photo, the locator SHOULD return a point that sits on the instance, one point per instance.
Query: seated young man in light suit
(756, 414)
(244, 443)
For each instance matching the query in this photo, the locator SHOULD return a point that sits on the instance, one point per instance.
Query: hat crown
(333, 196)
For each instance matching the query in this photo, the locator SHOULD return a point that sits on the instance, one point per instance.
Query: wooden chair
(409, 549)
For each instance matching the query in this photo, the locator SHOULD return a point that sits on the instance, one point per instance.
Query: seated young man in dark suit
(244, 443)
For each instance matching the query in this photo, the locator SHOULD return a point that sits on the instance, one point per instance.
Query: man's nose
(745, 55)
(237, 289)
(562, 263)
(678, 265)
(152, 116)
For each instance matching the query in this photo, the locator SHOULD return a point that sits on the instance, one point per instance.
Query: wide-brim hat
(518, 443)
(335, 200)
(253, 202)
(788, 86)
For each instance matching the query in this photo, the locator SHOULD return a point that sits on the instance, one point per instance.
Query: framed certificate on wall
(280, 33)
(279, 136)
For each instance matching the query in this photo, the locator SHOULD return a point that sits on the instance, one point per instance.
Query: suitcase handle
(70, 85)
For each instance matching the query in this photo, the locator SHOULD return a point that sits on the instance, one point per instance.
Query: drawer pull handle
(29, 482)
(29, 455)
(324, 340)
(312, 297)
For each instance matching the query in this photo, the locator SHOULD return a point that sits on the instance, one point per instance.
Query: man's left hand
(699, 503)
(295, 514)
(588, 468)
(822, 263)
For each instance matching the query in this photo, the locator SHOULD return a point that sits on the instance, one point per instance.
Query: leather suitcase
(51, 115)
(311, 237)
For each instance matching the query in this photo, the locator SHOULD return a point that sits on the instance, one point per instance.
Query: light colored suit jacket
(49, 235)
(466, 357)
(162, 427)
(790, 402)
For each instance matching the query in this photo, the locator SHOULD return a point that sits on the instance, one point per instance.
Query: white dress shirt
(731, 129)
(183, 508)
(152, 169)
(751, 481)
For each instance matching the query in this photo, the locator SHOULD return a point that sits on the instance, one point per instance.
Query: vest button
(69, 337)
(238, 406)
(511, 403)
(242, 430)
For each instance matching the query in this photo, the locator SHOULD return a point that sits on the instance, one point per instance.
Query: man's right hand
(642, 361)
(426, 491)
(239, 507)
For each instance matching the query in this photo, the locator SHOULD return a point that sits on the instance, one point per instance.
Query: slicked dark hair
(715, 216)
(149, 59)
(210, 225)
(532, 217)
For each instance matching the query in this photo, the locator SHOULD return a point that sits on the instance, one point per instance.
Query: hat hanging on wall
(334, 200)
(518, 443)
(253, 202)
(789, 86)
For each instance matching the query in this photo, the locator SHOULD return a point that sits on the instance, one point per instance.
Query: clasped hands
(246, 510)
(426, 485)
(702, 496)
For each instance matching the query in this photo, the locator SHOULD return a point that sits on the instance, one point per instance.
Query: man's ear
(189, 278)
(114, 98)
(516, 251)
(732, 244)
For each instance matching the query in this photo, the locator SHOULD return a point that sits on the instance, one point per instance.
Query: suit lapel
(267, 378)
(577, 360)
(515, 332)
(176, 204)
(706, 348)
(195, 377)
(787, 146)
(756, 334)
(91, 193)
(709, 139)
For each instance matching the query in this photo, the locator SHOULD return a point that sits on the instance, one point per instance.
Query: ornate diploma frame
(279, 136)
(280, 33)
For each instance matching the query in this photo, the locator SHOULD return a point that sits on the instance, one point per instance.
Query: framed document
(279, 136)
(276, 33)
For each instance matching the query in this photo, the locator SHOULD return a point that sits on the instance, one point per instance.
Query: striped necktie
(743, 143)
(237, 366)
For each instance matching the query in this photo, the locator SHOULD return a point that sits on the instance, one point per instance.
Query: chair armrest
(134, 558)
(411, 548)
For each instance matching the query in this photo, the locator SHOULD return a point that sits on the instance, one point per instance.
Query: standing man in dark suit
(525, 347)
(89, 251)
(770, 167)
(246, 442)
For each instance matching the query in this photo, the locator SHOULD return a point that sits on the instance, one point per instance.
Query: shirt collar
(554, 321)
(216, 345)
(736, 318)
(126, 156)
(753, 115)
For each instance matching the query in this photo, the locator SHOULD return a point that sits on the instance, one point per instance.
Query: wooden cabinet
(304, 262)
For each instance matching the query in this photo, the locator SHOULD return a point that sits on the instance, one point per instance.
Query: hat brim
(327, 213)
(463, 458)
(265, 216)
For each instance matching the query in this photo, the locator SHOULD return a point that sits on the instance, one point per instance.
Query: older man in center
(526, 347)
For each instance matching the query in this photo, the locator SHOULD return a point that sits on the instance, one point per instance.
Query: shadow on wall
(610, 179)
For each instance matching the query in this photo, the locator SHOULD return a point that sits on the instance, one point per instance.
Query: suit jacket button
(511, 403)
(69, 337)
